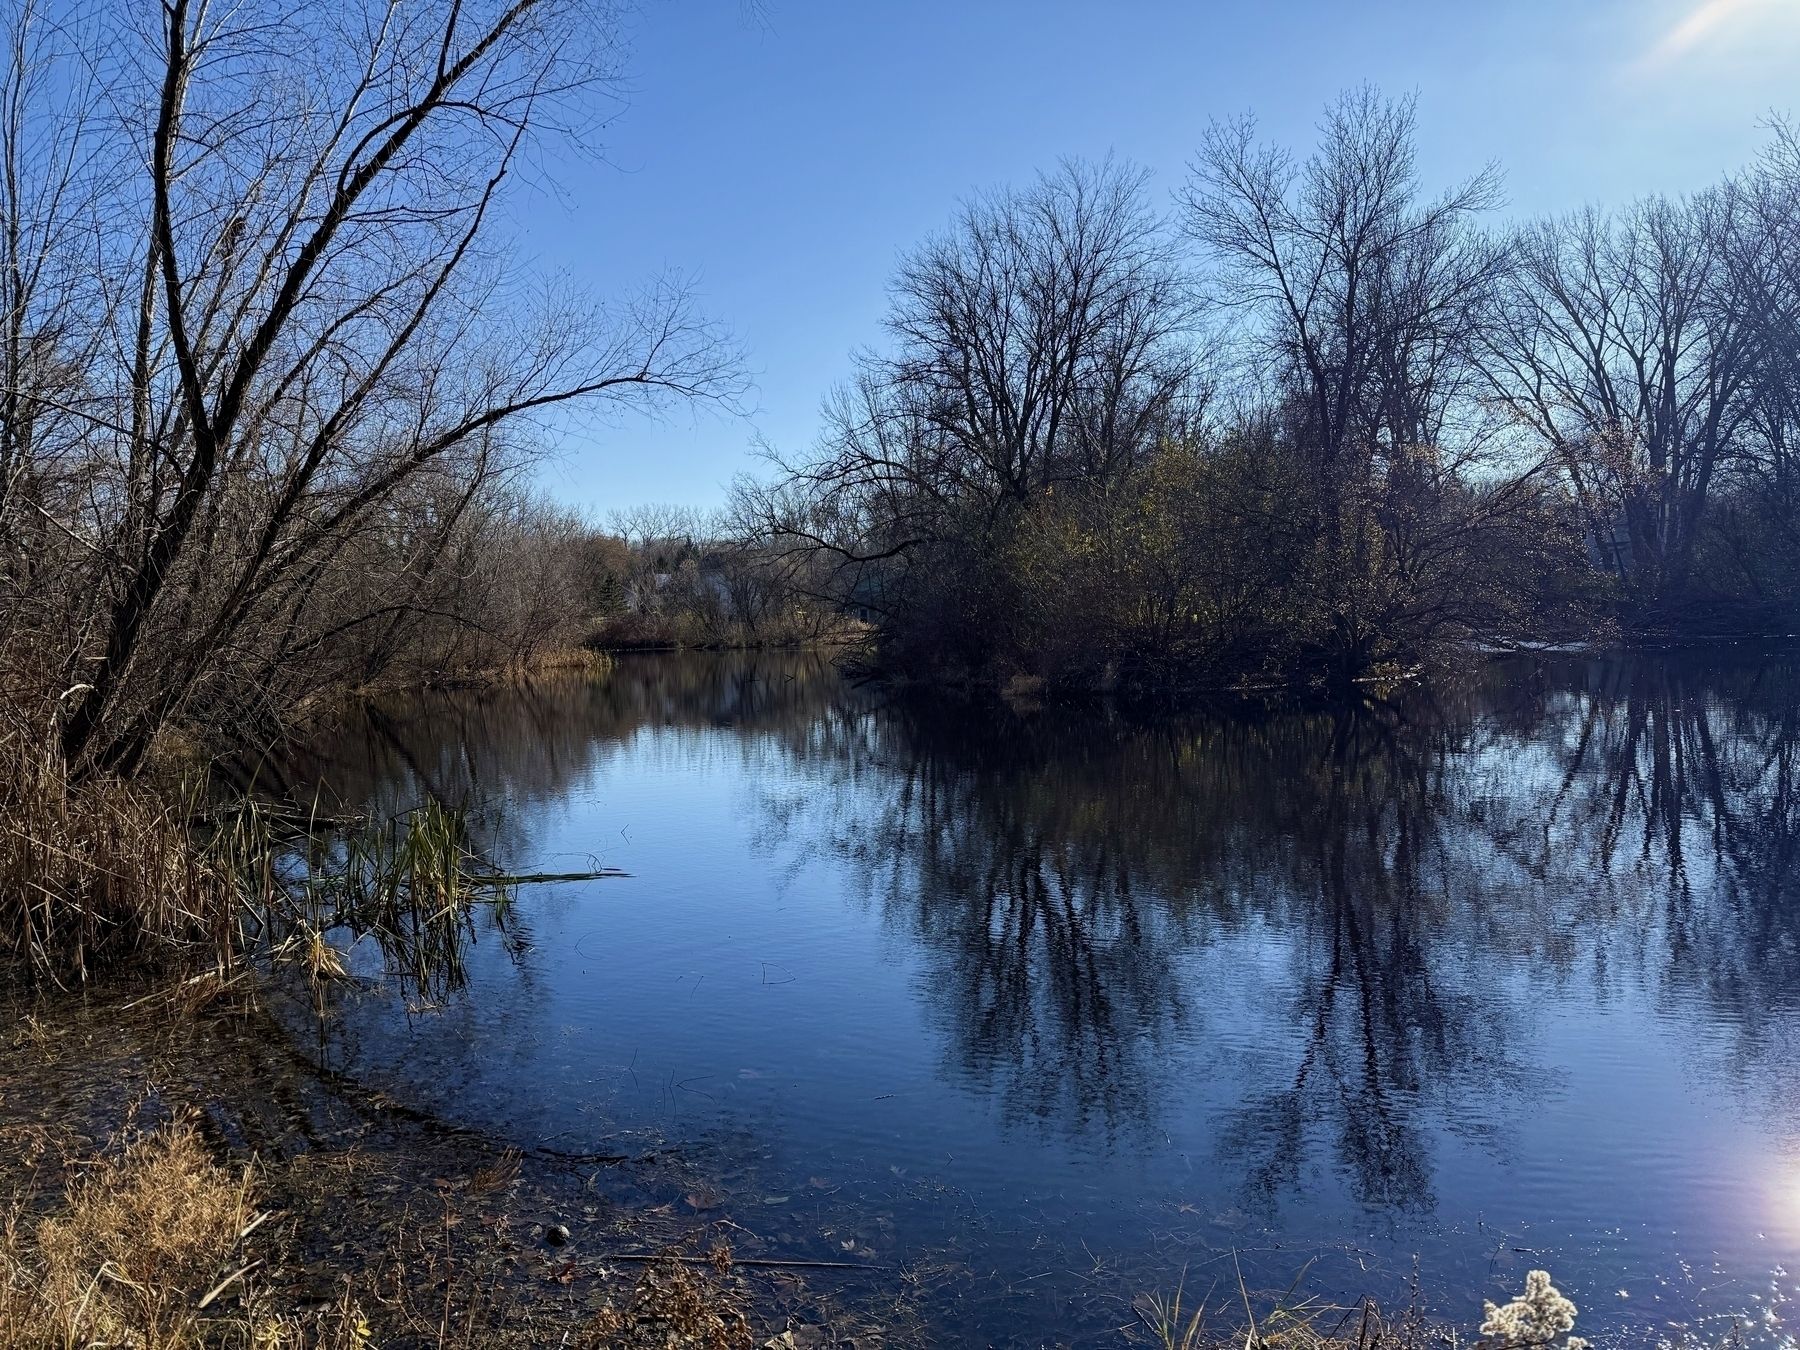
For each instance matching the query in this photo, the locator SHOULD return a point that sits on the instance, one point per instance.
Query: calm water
(1047, 1005)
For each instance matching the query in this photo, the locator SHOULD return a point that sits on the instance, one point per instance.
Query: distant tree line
(1318, 422)
(673, 576)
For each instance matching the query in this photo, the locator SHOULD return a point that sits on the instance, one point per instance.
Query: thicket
(270, 386)
(1317, 424)
(268, 382)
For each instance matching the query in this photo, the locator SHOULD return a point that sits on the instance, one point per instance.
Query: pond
(1034, 1008)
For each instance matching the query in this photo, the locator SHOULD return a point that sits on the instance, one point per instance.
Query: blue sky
(788, 160)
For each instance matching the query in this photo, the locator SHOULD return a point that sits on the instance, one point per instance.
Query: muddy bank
(441, 1234)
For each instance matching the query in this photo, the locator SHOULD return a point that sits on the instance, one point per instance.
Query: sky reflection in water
(1505, 975)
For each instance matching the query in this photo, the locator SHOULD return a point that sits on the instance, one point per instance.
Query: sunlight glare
(1708, 17)
(1787, 1202)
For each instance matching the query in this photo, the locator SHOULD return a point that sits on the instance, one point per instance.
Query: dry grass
(99, 874)
(1540, 1319)
(557, 661)
(148, 1251)
(678, 1306)
(560, 660)
(1285, 1322)
(153, 1245)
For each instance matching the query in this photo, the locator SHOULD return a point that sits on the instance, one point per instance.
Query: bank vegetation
(271, 385)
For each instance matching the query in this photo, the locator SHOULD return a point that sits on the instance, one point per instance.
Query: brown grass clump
(99, 873)
(140, 1242)
(145, 1253)
(678, 1306)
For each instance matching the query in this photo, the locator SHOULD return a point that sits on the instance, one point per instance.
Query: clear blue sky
(789, 160)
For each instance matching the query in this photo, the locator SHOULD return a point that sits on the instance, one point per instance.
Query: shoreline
(377, 1224)
(240, 1059)
(420, 1224)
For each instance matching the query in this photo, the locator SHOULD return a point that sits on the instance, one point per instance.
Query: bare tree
(1755, 534)
(1624, 353)
(291, 320)
(1039, 340)
(1362, 306)
(678, 528)
(1044, 341)
(1363, 297)
(50, 199)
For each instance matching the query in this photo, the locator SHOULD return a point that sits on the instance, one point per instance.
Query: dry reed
(104, 875)
(100, 874)
(412, 883)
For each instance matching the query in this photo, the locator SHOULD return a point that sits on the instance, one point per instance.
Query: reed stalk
(105, 876)
(102, 874)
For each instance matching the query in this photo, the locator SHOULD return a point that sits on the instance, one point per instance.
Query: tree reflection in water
(1425, 868)
(1411, 876)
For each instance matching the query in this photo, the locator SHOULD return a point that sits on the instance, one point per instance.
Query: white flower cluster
(1535, 1320)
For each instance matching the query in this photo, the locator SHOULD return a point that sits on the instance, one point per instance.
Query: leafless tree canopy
(1625, 355)
(1043, 343)
(261, 348)
(1360, 294)
(1361, 304)
(1039, 341)
(1650, 354)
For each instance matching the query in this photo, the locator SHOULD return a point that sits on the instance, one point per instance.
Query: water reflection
(1351, 937)
(1548, 823)
(525, 745)
(1061, 873)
